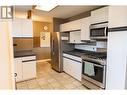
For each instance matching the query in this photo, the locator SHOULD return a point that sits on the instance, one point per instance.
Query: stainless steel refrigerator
(57, 48)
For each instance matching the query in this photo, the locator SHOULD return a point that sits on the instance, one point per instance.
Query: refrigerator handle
(53, 46)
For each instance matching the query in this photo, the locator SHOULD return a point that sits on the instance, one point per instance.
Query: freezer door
(55, 53)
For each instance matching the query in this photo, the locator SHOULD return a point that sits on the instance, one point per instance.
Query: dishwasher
(72, 65)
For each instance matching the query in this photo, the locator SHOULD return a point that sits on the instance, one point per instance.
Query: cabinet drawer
(72, 57)
(28, 58)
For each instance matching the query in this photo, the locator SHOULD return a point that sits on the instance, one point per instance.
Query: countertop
(24, 53)
(77, 53)
(80, 53)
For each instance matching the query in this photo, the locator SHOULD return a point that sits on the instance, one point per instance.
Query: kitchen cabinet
(27, 28)
(18, 68)
(17, 28)
(117, 16)
(72, 65)
(25, 68)
(70, 26)
(29, 70)
(85, 31)
(99, 15)
(22, 28)
(75, 37)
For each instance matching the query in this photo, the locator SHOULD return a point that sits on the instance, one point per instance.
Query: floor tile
(48, 79)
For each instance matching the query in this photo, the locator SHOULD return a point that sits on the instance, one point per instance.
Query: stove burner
(95, 57)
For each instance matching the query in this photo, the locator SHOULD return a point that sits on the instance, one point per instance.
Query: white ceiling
(59, 11)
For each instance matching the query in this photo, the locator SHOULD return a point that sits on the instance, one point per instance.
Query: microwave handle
(98, 65)
(105, 31)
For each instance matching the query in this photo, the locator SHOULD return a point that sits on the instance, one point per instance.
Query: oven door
(94, 72)
(99, 33)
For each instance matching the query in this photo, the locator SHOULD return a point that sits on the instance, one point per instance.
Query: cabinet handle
(15, 74)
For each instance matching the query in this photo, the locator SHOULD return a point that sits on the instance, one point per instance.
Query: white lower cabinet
(29, 70)
(18, 69)
(25, 68)
(72, 67)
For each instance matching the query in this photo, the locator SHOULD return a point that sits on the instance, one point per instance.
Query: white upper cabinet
(81, 28)
(27, 28)
(17, 28)
(85, 31)
(99, 15)
(69, 26)
(117, 16)
(22, 28)
(75, 37)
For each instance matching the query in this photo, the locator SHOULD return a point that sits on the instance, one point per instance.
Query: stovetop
(99, 58)
(97, 55)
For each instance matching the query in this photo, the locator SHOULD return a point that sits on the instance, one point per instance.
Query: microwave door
(98, 33)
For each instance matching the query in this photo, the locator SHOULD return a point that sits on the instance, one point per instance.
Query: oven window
(97, 32)
(93, 71)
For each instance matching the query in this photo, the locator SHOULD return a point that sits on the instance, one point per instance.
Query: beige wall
(6, 57)
(41, 52)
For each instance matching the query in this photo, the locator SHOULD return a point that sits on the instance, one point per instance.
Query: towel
(89, 69)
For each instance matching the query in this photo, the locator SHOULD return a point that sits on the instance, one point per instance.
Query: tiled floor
(49, 79)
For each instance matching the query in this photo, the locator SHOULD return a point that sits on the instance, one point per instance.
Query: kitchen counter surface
(80, 53)
(24, 53)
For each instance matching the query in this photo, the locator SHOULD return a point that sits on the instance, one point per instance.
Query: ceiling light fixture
(47, 5)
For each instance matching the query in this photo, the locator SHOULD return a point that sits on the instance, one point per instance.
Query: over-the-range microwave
(99, 30)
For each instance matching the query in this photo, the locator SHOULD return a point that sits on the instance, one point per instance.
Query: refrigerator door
(56, 53)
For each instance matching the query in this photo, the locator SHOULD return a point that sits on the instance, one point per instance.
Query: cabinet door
(17, 28)
(66, 65)
(117, 16)
(85, 31)
(75, 37)
(29, 70)
(73, 68)
(99, 15)
(63, 27)
(18, 69)
(27, 28)
(73, 25)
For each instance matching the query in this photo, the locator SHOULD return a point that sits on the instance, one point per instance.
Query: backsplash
(23, 44)
(99, 44)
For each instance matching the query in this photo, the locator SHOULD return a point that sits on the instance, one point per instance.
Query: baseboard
(44, 60)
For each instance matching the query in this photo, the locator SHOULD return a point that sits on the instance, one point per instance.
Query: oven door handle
(98, 65)
(95, 64)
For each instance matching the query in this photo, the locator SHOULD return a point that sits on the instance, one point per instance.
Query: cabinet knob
(15, 74)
